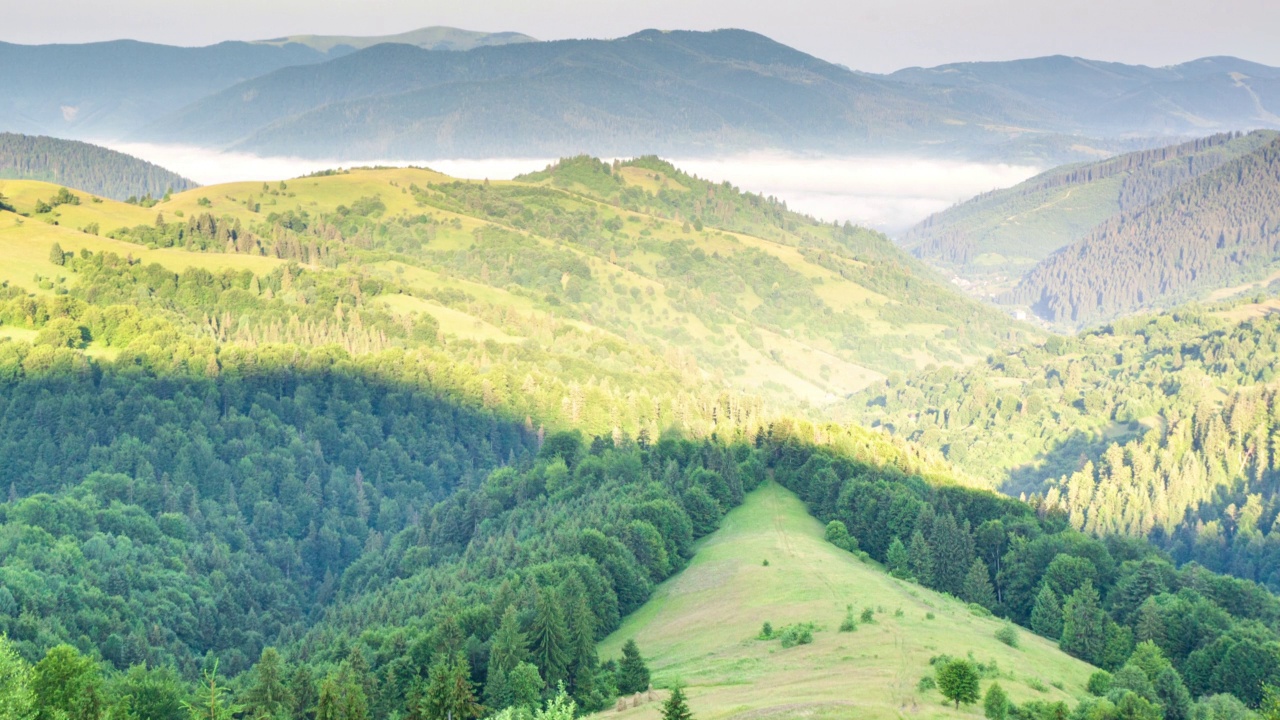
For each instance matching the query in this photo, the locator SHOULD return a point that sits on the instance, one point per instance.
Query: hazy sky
(873, 35)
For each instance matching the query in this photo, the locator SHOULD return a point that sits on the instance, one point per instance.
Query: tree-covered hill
(86, 167)
(1214, 232)
(1162, 428)
(991, 240)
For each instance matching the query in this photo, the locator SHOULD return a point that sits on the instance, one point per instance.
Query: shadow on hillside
(1065, 458)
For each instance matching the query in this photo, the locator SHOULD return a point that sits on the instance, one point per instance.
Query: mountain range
(433, 93)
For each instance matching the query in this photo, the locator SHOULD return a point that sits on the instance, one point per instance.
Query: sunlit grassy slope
(700, 629)
(763, 307)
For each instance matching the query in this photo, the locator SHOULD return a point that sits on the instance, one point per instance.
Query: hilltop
(701, 628)
(82, 166)
(429, 38)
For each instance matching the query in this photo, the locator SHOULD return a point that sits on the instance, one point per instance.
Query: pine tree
(898, 560)
(977, 586)
(676, 707)
(302, 694)
(212, 701)
(1084, 625)
(1046, 614)
(548, 637)
(581, 627)
(633, 674)
(920, 559)
(56, 255)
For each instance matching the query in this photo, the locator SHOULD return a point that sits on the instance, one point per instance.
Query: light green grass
(700, 629)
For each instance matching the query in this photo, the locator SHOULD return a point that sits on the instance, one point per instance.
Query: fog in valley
(887, 193)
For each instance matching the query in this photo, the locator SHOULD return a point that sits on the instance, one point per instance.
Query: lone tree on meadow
(958, 681)
(676, 708)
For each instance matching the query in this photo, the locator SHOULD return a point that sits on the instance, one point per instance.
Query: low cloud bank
(886, 193)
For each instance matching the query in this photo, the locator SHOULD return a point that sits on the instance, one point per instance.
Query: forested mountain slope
(1161, 427)
(1214, 232)
(382, 443)
(85, 167)
(995, 237)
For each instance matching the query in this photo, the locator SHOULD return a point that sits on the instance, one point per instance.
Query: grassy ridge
(700, 628)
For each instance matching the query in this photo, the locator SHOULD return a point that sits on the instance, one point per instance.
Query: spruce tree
(548, 637)
(676, 707)
(1084, 625)
(507, 649)
(920, 559)
(952, 554)
(977, 586)
(1046, 614)
(56, 255)
(581, 626)
(450, 694)
(633, 674)
(268, 697)
(898, 560)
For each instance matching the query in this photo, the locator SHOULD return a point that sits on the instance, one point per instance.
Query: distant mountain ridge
(441, 92)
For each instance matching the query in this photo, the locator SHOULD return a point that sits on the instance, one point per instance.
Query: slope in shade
(701, 626)
(85, 167)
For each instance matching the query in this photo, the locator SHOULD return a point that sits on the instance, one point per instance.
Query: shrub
(868, 615)
(766, 632)
(799, 634)
(1008, 635)
(1099, 683)
(979, 610)
(1037, 685)
(927, 683)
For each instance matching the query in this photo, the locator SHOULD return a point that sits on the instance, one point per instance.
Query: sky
(869, 35)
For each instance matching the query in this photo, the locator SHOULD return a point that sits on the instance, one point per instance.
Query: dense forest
(1009, 230)
(1217, 231)
(86, 167)
(1164, 428)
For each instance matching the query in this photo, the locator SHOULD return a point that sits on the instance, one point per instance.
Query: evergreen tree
(977, 586)
(1046, 614)
(507, 649)
(549, 638)
(897, 558)
(450, 694)
(633, 674)
(952, 554)
(958, 682)
(56, 255)
(212, 700)
(920, 559)
(149, 694)
(302, 694)
(996, 703)
(268, 697)
(676, 707)
(581, 627)
(1084, 625)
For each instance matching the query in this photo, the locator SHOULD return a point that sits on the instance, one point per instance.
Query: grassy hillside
(701, 628)
(717, 285)
(991, 240)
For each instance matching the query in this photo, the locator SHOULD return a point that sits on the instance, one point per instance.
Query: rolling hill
(701, 628)
(991, 240)
(726, 285)
(86, 167)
